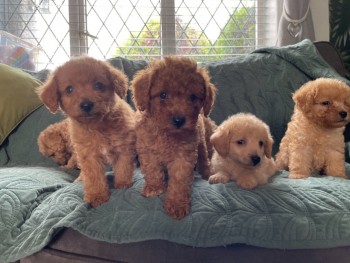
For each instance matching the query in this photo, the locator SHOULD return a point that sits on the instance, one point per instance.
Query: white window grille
(140, 29)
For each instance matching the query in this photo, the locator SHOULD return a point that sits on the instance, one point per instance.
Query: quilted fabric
(37, 202)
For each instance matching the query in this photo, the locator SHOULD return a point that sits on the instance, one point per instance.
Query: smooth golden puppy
(243, 147)
(101, 124)
(314, 140)
(173, 97)
(54, 142)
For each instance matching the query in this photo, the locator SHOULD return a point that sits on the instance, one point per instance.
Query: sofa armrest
(332, 57)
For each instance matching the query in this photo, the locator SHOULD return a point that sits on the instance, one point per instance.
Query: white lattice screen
(139, 29)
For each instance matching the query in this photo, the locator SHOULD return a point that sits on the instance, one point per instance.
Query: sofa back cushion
(262, 83)
(21, 146)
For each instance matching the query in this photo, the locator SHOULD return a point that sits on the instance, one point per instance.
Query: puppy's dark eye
(193, 98)
(240, 142)
(69, 89)
(163, 95)
(326, 103)
(261, 143)
(99, 87)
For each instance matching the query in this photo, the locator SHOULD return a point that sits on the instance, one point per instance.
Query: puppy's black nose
(86, 106)
(343, 114)
(255, 159)
(179, 121)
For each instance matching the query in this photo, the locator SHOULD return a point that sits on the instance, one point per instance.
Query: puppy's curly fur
(54, 142)
(101, 124)
(173, 97)
(314, 140)
(243, 152)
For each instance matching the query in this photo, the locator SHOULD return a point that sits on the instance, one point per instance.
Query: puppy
(243, 149)
(55, 142)
(173, 97)
(101, 124)
(314, 141)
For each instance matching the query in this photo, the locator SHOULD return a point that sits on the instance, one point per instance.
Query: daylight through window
(203, 29)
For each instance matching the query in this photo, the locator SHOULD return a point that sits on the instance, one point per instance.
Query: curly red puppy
(55, 143)
(314, 140)
(101, 124)
(173, 97)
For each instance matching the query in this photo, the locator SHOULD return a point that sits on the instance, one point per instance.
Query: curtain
(295, 23)
(339, 27)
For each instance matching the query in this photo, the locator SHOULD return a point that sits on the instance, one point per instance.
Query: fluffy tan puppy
(101, 124)
(54, 142)
(243, 147)
(173, 97)
(314, 140)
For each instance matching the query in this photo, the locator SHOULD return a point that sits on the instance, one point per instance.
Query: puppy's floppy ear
(140, 87)
(210, 92)
(220, 140)
(268, 146)
(210, 98)
(48, 93)
(119, 80)
(304, 96)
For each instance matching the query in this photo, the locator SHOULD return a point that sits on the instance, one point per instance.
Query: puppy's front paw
(205, 174)
(175, 210)
(149, 191)
(97, 199)
(247, 183)
(71, 165)
(297, 176)
(218, 178)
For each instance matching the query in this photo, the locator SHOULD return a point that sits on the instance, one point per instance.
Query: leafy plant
(340, 28)
(238, 35)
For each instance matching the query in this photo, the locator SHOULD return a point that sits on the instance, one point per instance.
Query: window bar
(167, 17)
(77, 27)
(266, 22)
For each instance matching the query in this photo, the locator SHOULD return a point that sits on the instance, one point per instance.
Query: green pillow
(17, 98)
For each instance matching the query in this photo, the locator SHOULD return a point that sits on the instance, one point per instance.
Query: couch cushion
(18, 98)
(21, 147)
(70, 242)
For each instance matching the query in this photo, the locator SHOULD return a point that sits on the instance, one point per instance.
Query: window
(140, 29)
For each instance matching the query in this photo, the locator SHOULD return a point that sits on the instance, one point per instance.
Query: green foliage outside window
(237, 37)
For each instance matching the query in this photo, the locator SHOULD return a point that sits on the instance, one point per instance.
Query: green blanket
(37, 202)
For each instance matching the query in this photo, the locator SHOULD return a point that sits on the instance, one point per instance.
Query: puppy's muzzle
(255, 159)
(343, 114)
(86, 106)
(178, 121)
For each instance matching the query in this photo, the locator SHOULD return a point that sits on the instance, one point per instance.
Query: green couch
(44, 219)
